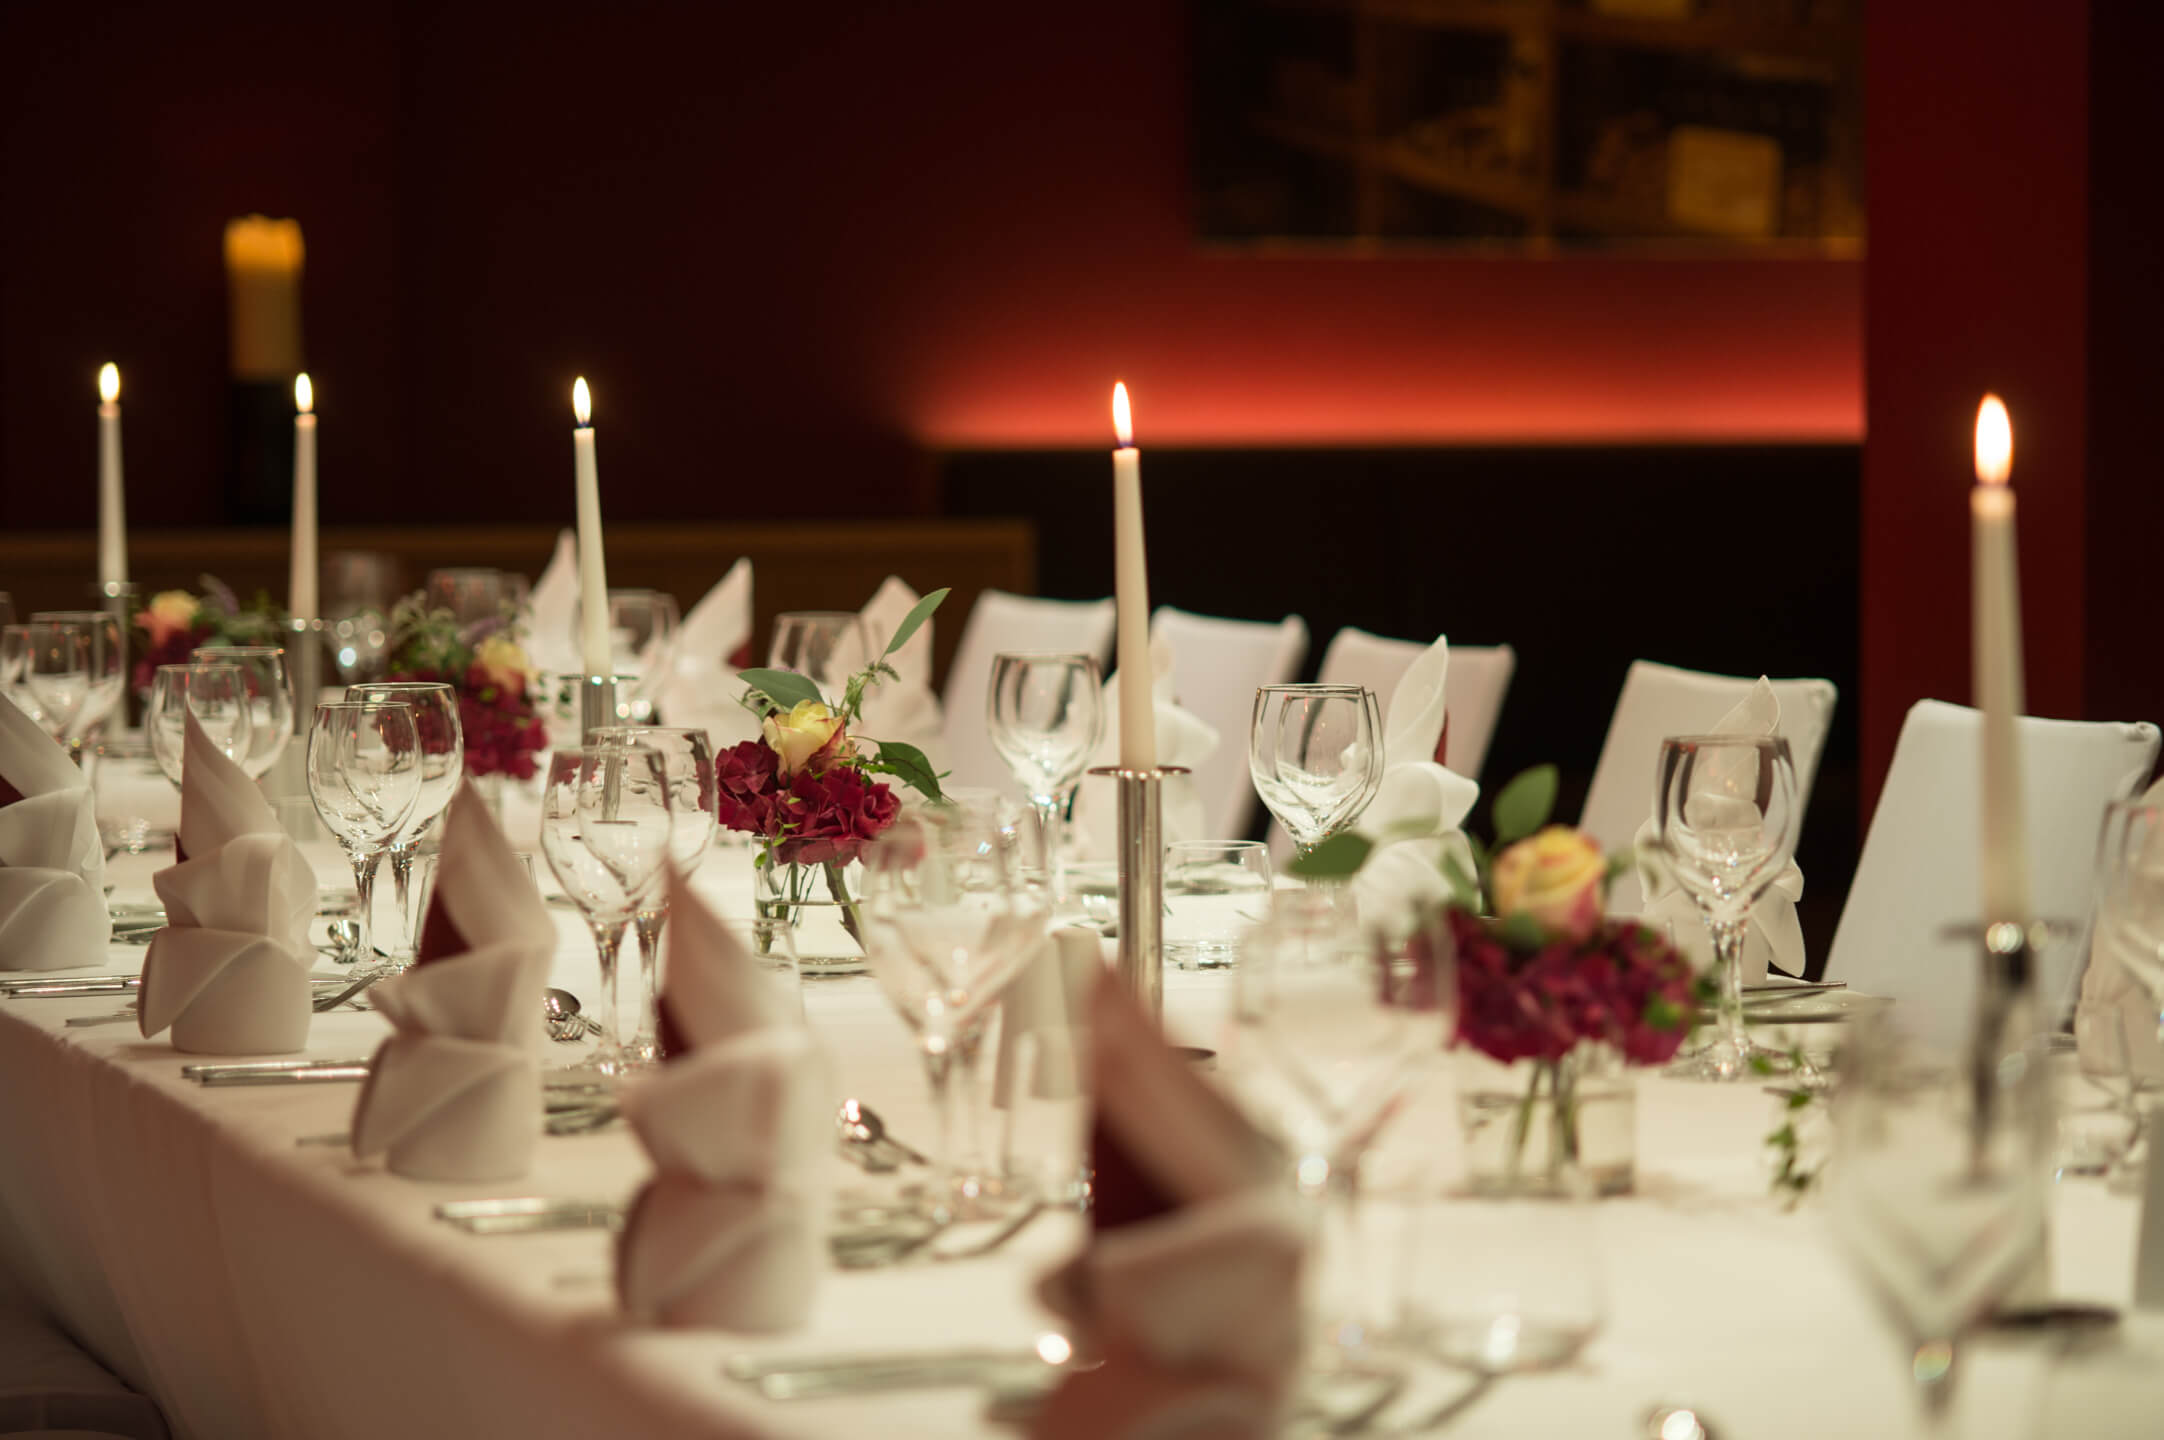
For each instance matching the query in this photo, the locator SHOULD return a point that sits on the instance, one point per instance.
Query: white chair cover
(1659, 701)
(1217, 667)
(1918, 872)
(999, 623)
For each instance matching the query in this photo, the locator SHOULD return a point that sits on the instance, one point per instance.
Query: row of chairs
(1917, 874)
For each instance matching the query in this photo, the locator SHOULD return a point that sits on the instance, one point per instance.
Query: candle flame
(1123, 417)
(304, 394)
(108, 382)
(582, 402)
(1994, 442)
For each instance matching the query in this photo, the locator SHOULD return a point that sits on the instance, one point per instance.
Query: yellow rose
(1554, 876)
(171, 612)
(806, 738)
(503, 661)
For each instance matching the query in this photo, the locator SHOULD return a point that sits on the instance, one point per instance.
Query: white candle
(1995, 629)
(1131, 575)
(112, 500)
(301, 583)
(593, 578)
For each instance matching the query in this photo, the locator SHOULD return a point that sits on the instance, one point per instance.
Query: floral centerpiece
(810, 790)
(1553, 996)
(486, 665)
(176, 623)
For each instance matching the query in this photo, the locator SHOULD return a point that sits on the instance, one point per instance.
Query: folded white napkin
(1775, 935)
(229, 972)
(2115, 1008)
(1416, 815)
(730, 1231)
(52, 864)
(454, 1094)
(552, 612)
(1049, 997)
(906, 709)
(1184, 740)
(698, 685)
(1193, 1263)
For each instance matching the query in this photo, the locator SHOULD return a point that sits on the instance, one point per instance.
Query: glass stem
(969, 1156)
(649, 922)
(1051, 828)
(402, 891)
(1727, 936)
(939, 1070)
(364, 891)
(1935, 1388)
(608, 942)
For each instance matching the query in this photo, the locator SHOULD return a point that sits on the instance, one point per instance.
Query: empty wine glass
(606, 830)
(443, 765)
(59, 671)
(2130, 896)
(364, 775)
(1725, 816)
(826, 647)
(216, 695)
(15, 670)
(1046, 713)
(270, 699)
(1316, 755)
(687, 762)
(471, 593)
(947, 923)
(108, 666)
(1939, 1187)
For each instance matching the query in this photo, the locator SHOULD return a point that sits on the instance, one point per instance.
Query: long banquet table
(259, 1287)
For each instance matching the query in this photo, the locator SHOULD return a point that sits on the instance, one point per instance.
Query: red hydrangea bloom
(831, 816)
(747, 789)
(177, 647)
(1625, 986)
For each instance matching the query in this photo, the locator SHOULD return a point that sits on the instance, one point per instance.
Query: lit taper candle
(112, 497)
(1995, 630)
(1131, 577)
(301, 583)
(593, 576)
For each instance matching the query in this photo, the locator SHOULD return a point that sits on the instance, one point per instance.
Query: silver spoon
(561, 1016)
(859, 1124)
(345, 935)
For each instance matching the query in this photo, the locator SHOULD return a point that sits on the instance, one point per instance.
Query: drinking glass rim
(1082, 655)
(1701, 741)
(1312, 688)
(1244, 845)
(53, 616)
(401, 686)
(817, 615)
(238, 650)
(192, 666)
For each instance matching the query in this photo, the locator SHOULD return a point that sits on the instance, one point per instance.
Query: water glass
(136, 809)
(270, 699)
(826, 647)
(1215, 892)
(1046, 714)
(424, 890)
(365, 776)
(216, 695)
(59, 671)
(108, 665)
(443, 765)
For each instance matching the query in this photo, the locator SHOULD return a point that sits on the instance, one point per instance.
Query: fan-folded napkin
(229, 972)
(1415, 816)
(1184, 740)
(730, 1231)
(552, 609)
(1774, 934)
(697, 682)
(455, 1093)
(2115, 1020)
(1193, 1263)
(904, 709)
(52, 864)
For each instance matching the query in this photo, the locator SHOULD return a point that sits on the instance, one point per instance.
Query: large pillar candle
(1131, 574)
(112, 497)
(1995, 628)
(593, 577)
(263, 285)
(301, 583)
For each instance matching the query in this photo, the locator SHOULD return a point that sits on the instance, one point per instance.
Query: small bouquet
(807, 789)
(175, 624)
(486, 665)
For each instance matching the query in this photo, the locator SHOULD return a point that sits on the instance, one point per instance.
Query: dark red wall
(791, 246)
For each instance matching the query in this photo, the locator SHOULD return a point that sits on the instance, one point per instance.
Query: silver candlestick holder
(1142, 881)
(597, 704)
(304, 651)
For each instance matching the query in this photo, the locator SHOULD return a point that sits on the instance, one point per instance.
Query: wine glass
(364, 775)
(947, 922)
(826, 647)
(270, 699)
(59, 672)
(15, 670)
(216, 695)
(1939, 1187)
(443, 765)
(1047, 714)
(1725, 816)
(470, 593)
(2130, 895)
(1316, 755)
(606, 830)
(687, 762)
(108, 666)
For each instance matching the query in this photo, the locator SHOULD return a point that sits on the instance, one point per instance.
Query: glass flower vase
(822, 904)
(1530, 1126)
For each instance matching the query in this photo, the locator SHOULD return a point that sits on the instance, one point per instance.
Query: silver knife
(521, 1215)
(319, 1074)
(58, 989)
(197, 1072)
(818, 1377)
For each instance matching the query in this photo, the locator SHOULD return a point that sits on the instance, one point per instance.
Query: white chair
(1217, 666)
(1659, 701)
(1000, 623)
(1918, 872)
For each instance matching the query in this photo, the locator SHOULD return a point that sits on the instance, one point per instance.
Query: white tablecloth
(257, 1287)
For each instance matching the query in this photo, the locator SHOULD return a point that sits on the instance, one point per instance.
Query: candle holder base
(597, 704)
(1142, 882)
(304, 652)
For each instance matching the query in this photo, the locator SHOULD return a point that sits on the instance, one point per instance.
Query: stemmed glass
(1939, 1184)
(2130, 895)
(948, 921)
(15, 670)
(108, 666)
(471, 593)
(216, 695)
(826, 647)
(687, 762)
(1046, 713)
(606, 830)
(58, 674)
(1725, 816)
(1316, 755)
(443, 765)
(364, 775)
(270, 698)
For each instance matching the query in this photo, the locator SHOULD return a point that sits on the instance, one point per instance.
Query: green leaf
(918, 614)
(907, 764)
(1662, 1013)
(1523, 806)
(1464, 889)
(1760, 1065)
(1521, 932)
(784, 689)
(1335, 858)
